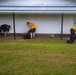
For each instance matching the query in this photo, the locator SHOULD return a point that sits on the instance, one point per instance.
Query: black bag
(71, 39)
(27, 36)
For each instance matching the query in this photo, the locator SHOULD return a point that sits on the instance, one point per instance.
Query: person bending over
(73, 31)
(32, 29)
(5, 29)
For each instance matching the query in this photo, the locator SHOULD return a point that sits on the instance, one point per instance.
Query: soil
(37, 38)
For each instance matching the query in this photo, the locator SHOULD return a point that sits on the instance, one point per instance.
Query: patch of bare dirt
(37, 38)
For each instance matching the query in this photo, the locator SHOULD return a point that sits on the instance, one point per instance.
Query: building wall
(45, 23)
(68, 23)
(7, 19)
(38, 2)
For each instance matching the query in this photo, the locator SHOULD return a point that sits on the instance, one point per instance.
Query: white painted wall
(7, 19)
(68, 23)
(45, 23)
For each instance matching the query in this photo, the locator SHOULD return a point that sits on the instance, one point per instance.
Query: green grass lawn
(37, 58)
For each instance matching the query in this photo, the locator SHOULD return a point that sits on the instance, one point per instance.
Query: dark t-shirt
(4, 27)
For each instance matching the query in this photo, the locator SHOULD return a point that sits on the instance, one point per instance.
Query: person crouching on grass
(73, 30)
(5, 29)
(32, 29)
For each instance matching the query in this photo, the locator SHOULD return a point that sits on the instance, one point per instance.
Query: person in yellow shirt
(72, 35)
(73, 30)
(32, 29)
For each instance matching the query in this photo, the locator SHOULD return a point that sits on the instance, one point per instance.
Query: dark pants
(72, 31)
(32, 30)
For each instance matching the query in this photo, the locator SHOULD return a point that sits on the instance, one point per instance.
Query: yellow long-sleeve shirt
(32, 25)
(74, 27)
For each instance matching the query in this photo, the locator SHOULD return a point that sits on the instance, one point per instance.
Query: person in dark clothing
(5, 29)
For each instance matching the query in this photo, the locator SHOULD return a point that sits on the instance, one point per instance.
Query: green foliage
(37, 58)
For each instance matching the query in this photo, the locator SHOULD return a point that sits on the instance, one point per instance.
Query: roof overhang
(38, 9)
